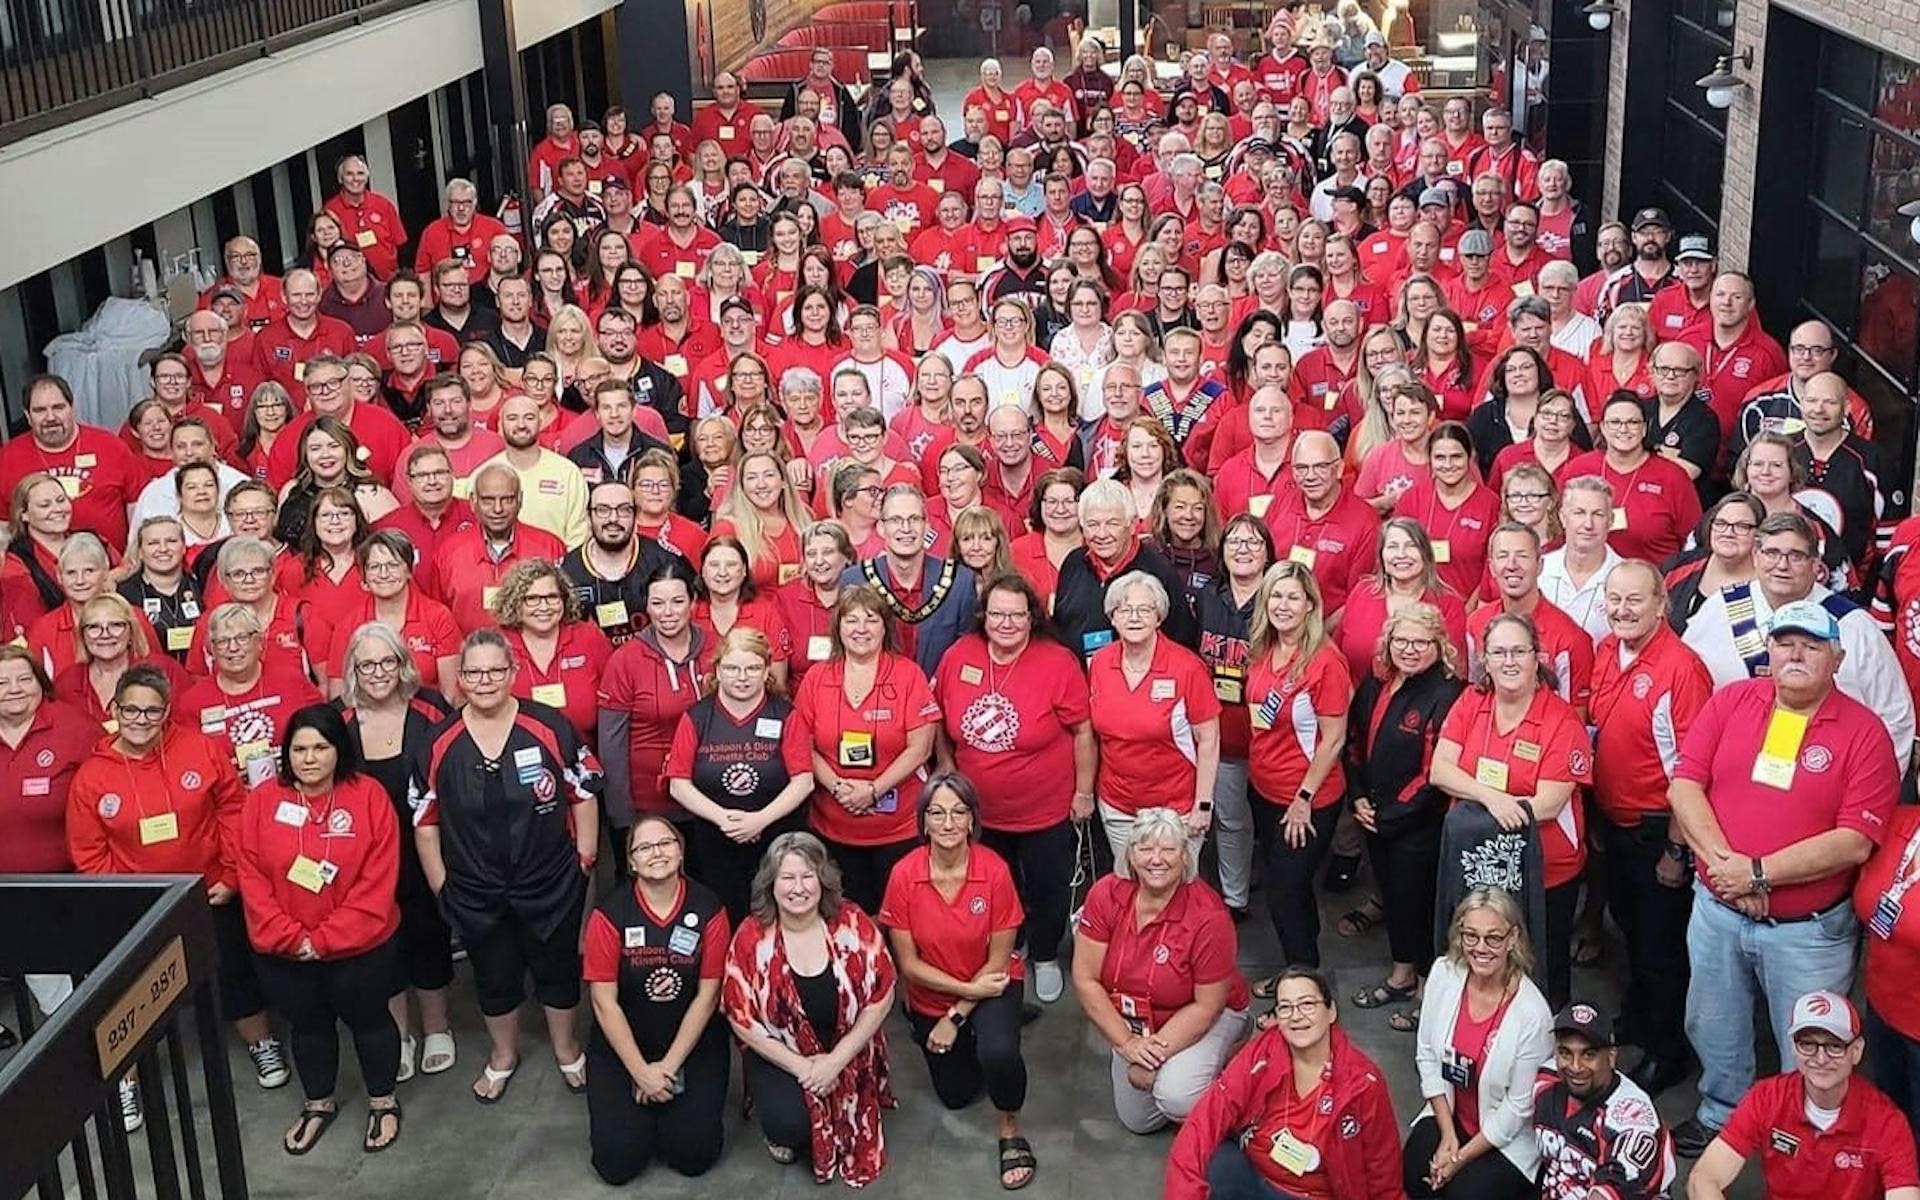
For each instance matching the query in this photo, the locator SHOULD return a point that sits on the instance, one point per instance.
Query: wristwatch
(1306, 794)
(1760, 883)
(956, 1018)
(1204, 806)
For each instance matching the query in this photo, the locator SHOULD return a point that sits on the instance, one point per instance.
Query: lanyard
(1903, 877)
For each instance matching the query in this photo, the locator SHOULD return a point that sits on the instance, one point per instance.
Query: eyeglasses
(649, 848)
(1407, 643)
(1814, 1049)
(141, 713)
(325, 387)
(377, 666)
(247, 514)
(653, 485)
(742, 670)
(1320, 468)
(1007, 617)
(1623, 423)
(948, 816)
(1298, 1008)
(1773, 554)
(1802, 348)
(1513, 653)
(104, 628)
(233, 641)
(905, 519)
(1743, 528)
(1672, 372)
(248, 574)
(543, 599)
(484, 674)
(1492, 941)
(1530, 497)
(607, 512)
(1147, 611)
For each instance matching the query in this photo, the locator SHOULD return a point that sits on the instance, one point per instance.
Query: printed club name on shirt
(663, 983)
(738, 762)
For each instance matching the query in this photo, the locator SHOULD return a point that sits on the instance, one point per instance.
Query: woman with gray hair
(245, 570)
(248, 700)
(1153, 966)
(388, 709)
(1156, 718)
(85, 571)
(808, 989)
(1109, 549)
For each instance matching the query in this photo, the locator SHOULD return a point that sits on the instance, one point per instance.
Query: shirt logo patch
(340, 823)
(990, 724)
(543, 788)
(1816, 758)
(1161, 954)
(1349, 1127)
(44, 758)
(1642, 684)
(740, 779)
(1577, 762)
(977, 906)
(190, 780)
(663, 985)
(1850, 1160)
(109, 806)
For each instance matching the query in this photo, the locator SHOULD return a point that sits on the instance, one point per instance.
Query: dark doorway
(416, 182)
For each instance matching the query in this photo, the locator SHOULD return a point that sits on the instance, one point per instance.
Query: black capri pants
(504, 955)
(864, 870)
(237, 978)
(318, 997)
(1042, 866)
(684, 1133)
(985, 1053)
(1406, 866)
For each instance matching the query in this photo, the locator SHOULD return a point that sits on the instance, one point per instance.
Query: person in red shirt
(1477, 294)
(870, 716)
(681, 245)
(1738, 353)
(249, 700)
(1322, 526)
(725, 120)
(1041, 85)
(471, 563)
(1819, 1128)
(1337, 1140)
(1655, 505)
(1455, 508)
(95, 469)
(952, 916)
(43, 741)
(1891, 973)
(433, 514)
(464, 234)
(260, 295)
(368, 220)
(1685, 313)
(1405, 573)
(1513, 564)
(1299, 689)
(160, 798)
(218, 377)
(1774, 879)
(649, 683)
(1001, 109)
(387, 573)
(317, 854)
(557, 656)
(1154, 971)
(284, 347)
(1016, 719)
(904, 200)
(1518, 750)
(543, 163)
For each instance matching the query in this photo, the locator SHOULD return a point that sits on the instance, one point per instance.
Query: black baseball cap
(1587, 1021)
(1651, 216)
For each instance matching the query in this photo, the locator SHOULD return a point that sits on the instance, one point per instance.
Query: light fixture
(1722, 86)
(1600, 14)
(1911, 210)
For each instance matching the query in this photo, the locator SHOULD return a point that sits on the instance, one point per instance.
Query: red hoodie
(351, 829)
(1362, 1155)
(173, 811)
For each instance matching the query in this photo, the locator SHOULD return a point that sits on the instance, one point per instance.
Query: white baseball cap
(1827, 1012)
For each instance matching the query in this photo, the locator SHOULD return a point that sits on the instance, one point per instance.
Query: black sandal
(374, 1118)
(1266, 989)
(1016, 1154)
(1383, 993)
(1403, 1022)
(312, 1125)
(1357, 922)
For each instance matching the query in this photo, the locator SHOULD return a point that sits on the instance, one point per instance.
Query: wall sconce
(1722, 86)
(1911, 210)
(1600, 14)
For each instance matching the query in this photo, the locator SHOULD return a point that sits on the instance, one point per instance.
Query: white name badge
(289, 813)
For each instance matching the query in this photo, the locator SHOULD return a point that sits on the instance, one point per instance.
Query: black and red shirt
(658, 960)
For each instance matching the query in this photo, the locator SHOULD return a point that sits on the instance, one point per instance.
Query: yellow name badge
(984, 262)
(180, 637)
(488, 595)
(970, 675)
(613, 612)
(1292, 1153)
(594, 187)
(299, 371)
(1527, 750)
(676, 363)
(1229, 684)
(1492, 772)
(305, 872)
(726, 133)
(1619, 521)
(1442, 550)
(683, 269)
(365, 238)
(856, 749)
(751, 257)
(819, 647)
(163, 828)
(1304, 555)
(1780, 749)
(553, 695)
(937, 184)
(83, 461)
(789, 572)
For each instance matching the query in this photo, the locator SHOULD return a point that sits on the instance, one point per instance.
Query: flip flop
(574, 1074)
(492, 1077)
(437, 1053)
(1384, 993)
(1016, 1154)
(313, 1121)
(374, 1117)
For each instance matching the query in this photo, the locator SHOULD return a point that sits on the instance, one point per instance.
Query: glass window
(1847, 70)
(1889, 302)
(1834, 287)
(1899, 103)
(1842, 144)
(1893, 179)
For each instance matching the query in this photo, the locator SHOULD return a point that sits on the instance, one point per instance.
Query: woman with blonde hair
(1383, 367)
(980, 541)
(112, 638)
(1623, 361)
(558, 657)
(487, 384)
(570, 341)
(764, 513)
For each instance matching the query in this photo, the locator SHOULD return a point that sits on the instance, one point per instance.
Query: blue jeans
(1231, 1176)
(1734, 958)
(1893, 1060)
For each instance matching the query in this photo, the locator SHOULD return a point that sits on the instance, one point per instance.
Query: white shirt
(1393, 77)
(1586, 605)
(959, 351)
(1578, 337)
(887, 382)
(161, 497)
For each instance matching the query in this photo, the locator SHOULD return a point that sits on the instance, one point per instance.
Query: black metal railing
(141, 952)
(64, 59)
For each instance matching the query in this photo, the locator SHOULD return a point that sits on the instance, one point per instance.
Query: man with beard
(610, 452)
(261, 294)
(653, 385)
(1613, 247)
(517, 337)
(1650, 272)
(608, 571)
(1024, 275)
(554, 493)
(216, 378)
(449, 428)
(1598, 1130)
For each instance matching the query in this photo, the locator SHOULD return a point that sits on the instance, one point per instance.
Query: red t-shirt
(1152, 970)
(1470, 1039)
(1146, 733)
(951, 935)
(1867, 1153)
(1012, 729)
(1568, 647)
(1286, 716)
(1365, 617)
(761, 612)
(1549, 745)
(860, 741)
(1844, 777)
(99, 473)
(427, 629)
(251, 722)
(1641, 711)
(1655, 506)
(1459, 534)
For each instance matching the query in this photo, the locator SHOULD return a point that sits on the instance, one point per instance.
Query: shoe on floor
(1048, 984)
(1691, 1138)
(407, 1047)
(269, 1064)
(132, 1114)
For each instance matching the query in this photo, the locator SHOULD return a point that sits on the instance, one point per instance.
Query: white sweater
(1523, 1041)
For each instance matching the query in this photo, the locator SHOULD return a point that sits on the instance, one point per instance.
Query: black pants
(1489, 1177)
(864, 870)
(985, 1053)
(1654, 919)
(1042, 866)
(1291, 903)
(1562, 906)
(684, 1133)
(1406, 868)
(728, 866)
(425, 958)
(237, 977)
(779, 1105)
(507, 953)
(318, 997)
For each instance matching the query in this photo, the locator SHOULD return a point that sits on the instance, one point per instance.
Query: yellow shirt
(553, 496)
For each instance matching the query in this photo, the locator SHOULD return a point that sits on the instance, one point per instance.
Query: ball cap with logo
(1586, 1021)
(1804, 616)
(1827, 1012)
(1695, 246)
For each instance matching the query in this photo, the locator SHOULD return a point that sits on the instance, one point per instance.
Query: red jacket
(186, 786)
(40, 773)
(1363, 1164)
(353, 829)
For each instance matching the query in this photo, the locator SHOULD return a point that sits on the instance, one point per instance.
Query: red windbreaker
(173, 811)
(351, 829)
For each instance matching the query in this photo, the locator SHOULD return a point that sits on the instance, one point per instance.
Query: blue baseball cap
(1804, 616)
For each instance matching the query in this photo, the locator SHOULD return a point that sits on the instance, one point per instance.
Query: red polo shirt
(1867, 1153)
(1365, 617)
(1012, 729)
(807, 623)
(1004, 112)
(1459, 534)
(226, 391)
(1642, 710)
(1549, 745)
(1655, 506)
(1892, 971)
(951, 935)
(1240, 487)
(1338, 547)
(100, 475)
(383, 442)
(700, 341)
(283, 648)
(1729, 373)
(1147, 747)
(1154, 968)
(465, 575)
(1568, 647)
(33, 808)
(860, 741)
(282, 355)
(427, 629)
(1844, 777)
(662, 254)
(1675, 318)
(427, 535)
(567, 682)
(1286, 716)
(373, 225)
(269, 299)
(440, 240)
(1318, 380)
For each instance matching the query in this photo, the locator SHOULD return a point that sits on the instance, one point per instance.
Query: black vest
(739, 766)
(660, 965)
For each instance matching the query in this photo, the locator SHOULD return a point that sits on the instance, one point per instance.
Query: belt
(1812, 916)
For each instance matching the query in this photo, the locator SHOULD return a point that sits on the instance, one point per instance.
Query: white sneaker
(269, 1064)
(1047, 981)
(132, 1114)
(406, 1060)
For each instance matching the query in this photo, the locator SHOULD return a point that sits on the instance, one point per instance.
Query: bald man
(262, 295)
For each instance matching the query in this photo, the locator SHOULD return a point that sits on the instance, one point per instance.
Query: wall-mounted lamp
(1911, 210)
(1723, 86)
(1600, 14)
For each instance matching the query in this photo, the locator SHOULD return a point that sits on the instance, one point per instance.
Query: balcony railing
(61, 60)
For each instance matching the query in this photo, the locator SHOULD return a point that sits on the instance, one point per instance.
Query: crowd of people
(948, 570)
